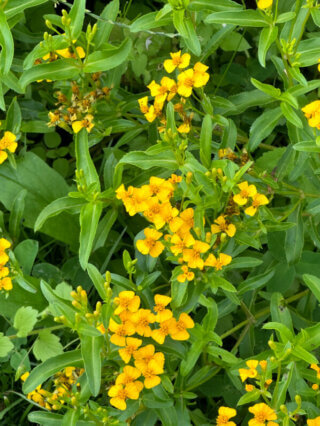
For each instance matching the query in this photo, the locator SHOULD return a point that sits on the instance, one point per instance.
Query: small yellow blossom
(143, 104)
(146, 354)
(317, 369)
(193, 255)
(225, 414)
(249, 388)
(201, 76)
(246, 192)
(69, 53)
(264, 4)
(257, 201)
(184, 128)
(165, 328)
(132, 345)
(7, 143)
(250, 372)
(218, 263)
(179, 331)
(150, 245)
(221, 225)
(161, 302)
(6, 284)
(186, 274)
(151, 374)
(141, 320)
(120, 393)
(177, 61)
(315, 387)
(312, 113)
(127, 300)
(86, 123)
(314, 422)
(120, 332)
(263, 415)
(178, 244)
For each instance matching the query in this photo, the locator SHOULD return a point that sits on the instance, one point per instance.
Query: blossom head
(264, 4)
(263, 415)
(7, 143)
(179, 331)
(250, 372)
(151, 245)
(177, 61)
(127, 300)
(225, 414)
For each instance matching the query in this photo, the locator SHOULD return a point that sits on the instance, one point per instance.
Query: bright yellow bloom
(315, 387)
(154, 212)
(119, 394)
(178, 244)
(161, 188)
(151, 374)
(263, 364)
(7, 143)
(4, 271)
(134, 199)
(312, 113)
(141, 320)
(4, 245)
(146, 354)
(225, 414)
(218, 263)
(319, 65)
(174, 179)
(179, 331)
(314, 422)
(250, 372)
(223, 226)
(177, 61)
(86, 123)
(317, 369)
(249, 388)
(143, 104)
(154, 111)
(201, 77)
(264, 4)
(186, 274)
(161, 302)
(188, 221)
(69, 53)
(150, 245)
(184, 128)
(101, 328)
(132, 345)
(54, 118)
(120, 332)
(129, 375)
(263, 415)
(257, 201)
(165, 328)
(193, 256)
(186, 83)
(127, 300)
(164, 91)
(246, 192)
(6, 284)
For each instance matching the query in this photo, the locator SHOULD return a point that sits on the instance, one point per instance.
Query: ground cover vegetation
(160, 212)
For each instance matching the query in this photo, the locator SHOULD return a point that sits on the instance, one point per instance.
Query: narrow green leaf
(306, 146)
(90, 349)
(205, 141)
(13, 7)
(97, 279)
(6, 42)
(267, 37)
(89, 219)
(77, 17)
(13, 120)
(243, 18)
(291, 115)
(110, 12)
(313, 283)
(263, 126)
(294, 237)
(16, 214)
(84, 160)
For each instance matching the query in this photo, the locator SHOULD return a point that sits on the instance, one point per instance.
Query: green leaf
(13, 120)
(291, 115)
(242, 18)
(107, 59)
(48, 368)
(89, 219)
(306, 146)
(84, 160)
(255, 282)
(61, 69)
(110, 12)
(267, 37)
(244, 262)
(149, 21)
(97, 279)
(193, 354)
(57, 303)
(5, 345)
(263, 126)
(90, 349)
(24, 320)
(304, 355)
(145, 160)
(205, 141)
(192, 40)
(17, 214)
(26, 253)
(6, 42)
(294, 237)
(47, 345)
(216, 5)
(76, 14)
(249, 397)
(266, 88)
(285, 333)
(313, 283)
(217, 281)
(13, 7)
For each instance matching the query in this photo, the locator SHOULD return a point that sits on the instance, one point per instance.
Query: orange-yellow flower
(164, 91)
(143, 104)
(186, 274)
(184, 128)
(257, 201)
(4, 271)
(317, 369)
(161, 188)
(6, 284)
(127, 300)
(178, 244)
(177, 61)
(179, 331)
(7, 143)
(188, 220)
(193, 255)
(264, 4)
(168, 215)
(141, 320)
(221, 225)
(314, 422)
(4, 245)
(151, 245)
(249, 388)
(120, 332)
(250, 372)
(161, 302)
(120, 393)
(165, 328)
(151, 374)
(146, 354)
(312, 113)
(174, 179)
(69, 53)
(154, 212)
(218, 263)
(132, 345)
(263, 415)
(196, 77)
(134, 199)
(201, 77)
(154, 111)
(129, 375)
(246, 192)
(86, 123)
(225, 414)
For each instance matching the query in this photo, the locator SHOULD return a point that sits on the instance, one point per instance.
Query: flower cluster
(63, 389)
(169, 88)
(7, 143)
(148, 364)
(248, 193)
(312, 113)
(255, 370)
(5, 280)
(75, 109)
(182, 239)
(263, 416)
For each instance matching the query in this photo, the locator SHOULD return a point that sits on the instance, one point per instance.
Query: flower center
(261, 417)
(188, 82)
(180, 326)
(176, 61)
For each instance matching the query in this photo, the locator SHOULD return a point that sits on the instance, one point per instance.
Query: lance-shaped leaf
(90, 349)
(84, 160)
(6, 42)
(89, 219)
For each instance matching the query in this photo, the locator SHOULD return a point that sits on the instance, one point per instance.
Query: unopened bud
(283, 409)
(108, 277)
(297, 398)
(272, 345)
(189, 177)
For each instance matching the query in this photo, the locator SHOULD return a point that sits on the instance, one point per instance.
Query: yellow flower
(263, 415)
(314, 422)
(186, 82)
(161, 302)
(129, 375)
(250, 372)
(141, 320)
(174, 179)
(178, 244)
(193, 256)
(155, 111)
(143, 104)
(188, 221)
(54, 118)
(246, 191)
(120, 332)
(127, 300)
(264, 4)
(101, 328)
(201, 77)
(184, 128)
(146, 354)
(150, 245)
(223, 260)
(161, 188)
(69, 53)
(186, 274)
(257, 201)
(223, 226)
(249, 388)
(317, 369)
(120, 393)
(225, 414)
(134, 199)
(4, 245)
(312, 113)
(7, 143)
(319, 65)
(165, 328)
(164, 91)
(132, 345)
(4, 271)
(86, 123)
(151, 374)
(263, 364)
(179, 331)
(177, 61)
(153, 212)
(315, 387)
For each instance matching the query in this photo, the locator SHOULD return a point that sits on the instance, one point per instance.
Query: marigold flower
(4, 271)
(141, 320)
(120, 332)
(120, 393)
(154, 212)
(69, 53)
(264, 4)
(250, 372)
(186, 274)
(54, 118)
(130, 374)
(315, 387)
(7, 143)
(174, 179)
(164, 91)
(151, 374)
(161, 302)
(150, 245)
(246, 191)
(201, 77)
(180, 328)
(155, 111)
(314, 422)
(263, 415)
(186, 82)
(218, 263)
(177, 61)
(4, 245)
(143, 104)
(188, 221)
(132, 345)
(86, 123)
(257, 201)
(146, 354)
(193, 256)
(6, 284)
(165, 328)
(178, 244)
(225, 414)
(127, 300)
(101, 328)
(161, 188)
(249, 388)
(223, 226)
(317, 369)
(263, 364)
(184, 128)
(312, 113)
(134, 199)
